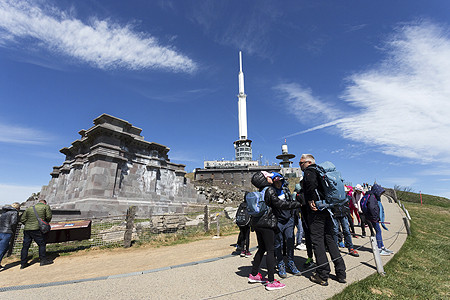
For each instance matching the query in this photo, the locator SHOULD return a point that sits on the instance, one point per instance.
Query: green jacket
(29, 218)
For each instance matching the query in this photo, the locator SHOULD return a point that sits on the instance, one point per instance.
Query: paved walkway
(205, 276)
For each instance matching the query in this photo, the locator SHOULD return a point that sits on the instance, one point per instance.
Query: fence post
(376, 256)
(131, 214)
(408, 230)
(218, 225)
(206, 218)
(406, 212)
(395, 196)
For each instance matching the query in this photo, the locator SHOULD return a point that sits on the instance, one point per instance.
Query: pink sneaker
(248, 254)
(274, 285)
(257, 278)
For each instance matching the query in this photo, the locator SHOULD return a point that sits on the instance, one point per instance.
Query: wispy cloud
(305, 106)
(246, 29)
(22, 135)
(402, 104)
(101, 43)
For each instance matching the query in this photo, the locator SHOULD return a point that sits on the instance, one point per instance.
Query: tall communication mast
(243, 146)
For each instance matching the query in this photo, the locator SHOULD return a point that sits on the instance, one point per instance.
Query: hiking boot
(384, 253)
(293, 268)
(274, 285)
(242, 253)
(309, 263)
(248, 254)
(316, 279)
(257, 278)
(282, 270)
(341, 245)
(353, 252)
(301, 247)
(45, 262)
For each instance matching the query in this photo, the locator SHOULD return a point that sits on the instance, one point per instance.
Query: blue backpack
(333, 186)
(256, 206)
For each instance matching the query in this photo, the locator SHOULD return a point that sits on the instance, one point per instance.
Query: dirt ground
(96, 263)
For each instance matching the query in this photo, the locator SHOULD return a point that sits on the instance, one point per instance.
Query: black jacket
(269, 219)
(8, 219)
(311, 184)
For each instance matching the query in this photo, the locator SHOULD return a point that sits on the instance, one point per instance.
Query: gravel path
(204, 269)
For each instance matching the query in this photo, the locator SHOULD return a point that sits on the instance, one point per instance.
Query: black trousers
(243, 241)
(363, 225)
(266, 242)
(28, 237)
(305, 211)
(321, 226)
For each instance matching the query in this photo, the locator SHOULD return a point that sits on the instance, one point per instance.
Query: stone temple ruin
(112, 167)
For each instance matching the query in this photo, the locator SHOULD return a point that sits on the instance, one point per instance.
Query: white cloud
(22, 135)
(304, 105)
(403, 103)
(101, 43)
(16, 193)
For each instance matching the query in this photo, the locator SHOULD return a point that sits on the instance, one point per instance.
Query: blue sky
(364, 84)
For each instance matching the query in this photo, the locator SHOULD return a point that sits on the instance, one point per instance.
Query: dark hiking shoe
(46, 262)
(341, 279)
(316, 279)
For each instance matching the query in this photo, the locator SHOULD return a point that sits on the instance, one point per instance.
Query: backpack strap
(36, 214)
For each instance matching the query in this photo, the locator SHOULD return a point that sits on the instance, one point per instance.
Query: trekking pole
(376, 256)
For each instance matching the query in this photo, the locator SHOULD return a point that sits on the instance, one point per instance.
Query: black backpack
(242, 216)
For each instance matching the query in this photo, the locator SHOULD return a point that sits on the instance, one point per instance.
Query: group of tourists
(9, 220)
(323, 226)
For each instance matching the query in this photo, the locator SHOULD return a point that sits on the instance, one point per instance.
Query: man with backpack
(321, 225)
(243, 221)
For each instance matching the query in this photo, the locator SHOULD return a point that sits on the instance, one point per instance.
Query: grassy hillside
(426, 199)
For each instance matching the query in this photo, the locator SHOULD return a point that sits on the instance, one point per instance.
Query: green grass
(421, 269)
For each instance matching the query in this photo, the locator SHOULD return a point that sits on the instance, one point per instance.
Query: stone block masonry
(112, 167)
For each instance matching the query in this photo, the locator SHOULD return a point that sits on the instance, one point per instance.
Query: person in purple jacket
(373, 216)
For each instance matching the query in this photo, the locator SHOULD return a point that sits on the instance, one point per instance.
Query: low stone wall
(220, 193)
